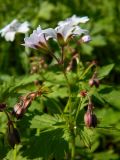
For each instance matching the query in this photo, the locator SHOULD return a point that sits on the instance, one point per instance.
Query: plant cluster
(60, 87)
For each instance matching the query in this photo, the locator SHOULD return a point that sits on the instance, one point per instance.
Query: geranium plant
(62, 87)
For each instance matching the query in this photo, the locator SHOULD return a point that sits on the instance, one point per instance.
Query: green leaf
(46, 121)
(98, 41)
(107, 155)
(12, 84)
(104, 71)
(48, 145)
(112, 97)
(21, 82)
(85, 137)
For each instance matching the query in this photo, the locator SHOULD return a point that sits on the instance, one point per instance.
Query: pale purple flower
(79, 31)
(67, 31)
(74, 20)
(14, 27)
(50, 33)
(61, 34)
(38, 39)
(86, 38)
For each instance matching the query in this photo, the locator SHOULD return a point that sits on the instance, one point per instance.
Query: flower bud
(18, 111)
(97, 83)
(91, 82)
(27, 103)
(86, 38)
(12, 135)
(83, 93)
(94, 120)
(94, 82)
(90, 119)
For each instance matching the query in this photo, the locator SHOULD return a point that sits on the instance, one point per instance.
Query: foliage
(44, 129)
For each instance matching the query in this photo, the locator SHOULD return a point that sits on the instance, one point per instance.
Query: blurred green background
(104, 28)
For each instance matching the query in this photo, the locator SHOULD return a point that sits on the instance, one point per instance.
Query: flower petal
(10, 36)
(79, 31)
(86, 38)
(74, 20)
(50, 33)
(65, 31)
(23, 28)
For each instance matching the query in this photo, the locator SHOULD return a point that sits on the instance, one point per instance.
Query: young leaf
(104, 71)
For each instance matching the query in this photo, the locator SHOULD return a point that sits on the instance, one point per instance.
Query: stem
(62, 54)
(15, 152)
(38, 132)
(68, 104)
(7, 115)
(69, 88)
(78, 109)
(66, 80)
(55, 57)
(84, 73)
(73, 149)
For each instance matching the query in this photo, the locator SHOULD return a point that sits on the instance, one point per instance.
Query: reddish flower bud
(94, 62)
(18, 111)
(90, 106)
(13, 138)
(94, 82)
(91, 82)
(12, 135)
(83, 93)
(90, 119)
(27, 103)
(94, 120)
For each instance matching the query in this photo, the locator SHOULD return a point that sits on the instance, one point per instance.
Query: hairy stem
(86, 71)
(52, 54)
(15, 152)
(73, 149)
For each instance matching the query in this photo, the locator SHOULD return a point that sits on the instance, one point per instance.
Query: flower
(18, 111)
(38, 39)
(13, 136)
(83, 93)
(14, 27)
(74, 20)
(86, 38)
(62, 33)
(90, 119)
(67, 31)
(68, 28)
(94, 82)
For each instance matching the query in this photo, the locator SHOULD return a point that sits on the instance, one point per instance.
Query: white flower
(39, 38)
(50, 33)
(23, 28)
(74, 20)
(14, 27)
(79, 31)
(62, 33)
(67, 31)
